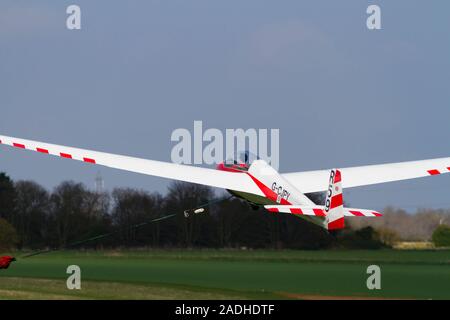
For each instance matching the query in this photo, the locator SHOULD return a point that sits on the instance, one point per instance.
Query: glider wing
(316, 181)
(204, 176)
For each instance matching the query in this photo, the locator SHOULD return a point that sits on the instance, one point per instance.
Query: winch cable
(196, 209)
(136, 226)
(102, 236)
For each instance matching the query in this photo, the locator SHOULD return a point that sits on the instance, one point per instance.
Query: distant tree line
(399, 225)
(33, 218)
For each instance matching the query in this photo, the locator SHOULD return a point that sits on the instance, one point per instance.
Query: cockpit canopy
(241, 161)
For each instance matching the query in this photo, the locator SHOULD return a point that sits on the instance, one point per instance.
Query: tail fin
(334, 204)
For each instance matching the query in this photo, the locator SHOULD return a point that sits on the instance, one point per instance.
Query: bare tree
(183, 196)
(31, 212)
(131, 208)
(74, 211)
(417, 226)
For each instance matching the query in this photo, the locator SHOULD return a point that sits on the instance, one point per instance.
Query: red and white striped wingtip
(40, 149)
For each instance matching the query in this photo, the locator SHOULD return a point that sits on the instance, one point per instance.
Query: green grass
(30, 288)
(209, 274)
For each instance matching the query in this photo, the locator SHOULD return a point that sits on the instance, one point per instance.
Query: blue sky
(340, 94)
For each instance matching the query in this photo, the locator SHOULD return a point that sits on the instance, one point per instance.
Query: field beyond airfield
(229, 274)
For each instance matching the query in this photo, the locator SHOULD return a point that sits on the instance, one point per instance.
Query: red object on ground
(6, 261)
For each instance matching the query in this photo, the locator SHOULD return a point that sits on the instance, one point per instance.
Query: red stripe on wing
(42, 150)
(89, 160)
(66, 155)
(19, 145)
(377, 214)
(434, 172)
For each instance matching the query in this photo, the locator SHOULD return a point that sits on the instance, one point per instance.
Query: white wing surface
(315, 181)
(204, 176)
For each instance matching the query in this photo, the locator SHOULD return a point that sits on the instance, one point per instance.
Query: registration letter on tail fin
(334, 204)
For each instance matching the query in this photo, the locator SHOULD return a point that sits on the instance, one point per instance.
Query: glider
(255, 181)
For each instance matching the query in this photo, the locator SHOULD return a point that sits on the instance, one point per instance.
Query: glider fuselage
(274, 188)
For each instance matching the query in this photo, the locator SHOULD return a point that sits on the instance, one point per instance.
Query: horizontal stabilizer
(319, 211)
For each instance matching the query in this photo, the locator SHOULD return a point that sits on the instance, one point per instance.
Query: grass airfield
(229, 274)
